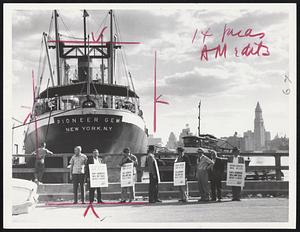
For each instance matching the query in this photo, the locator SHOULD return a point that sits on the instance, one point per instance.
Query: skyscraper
(259, 139)
(259, 129)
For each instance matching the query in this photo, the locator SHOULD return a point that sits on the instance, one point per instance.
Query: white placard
(179, 174)
(98, 175)
(235, 174)
(127, 175)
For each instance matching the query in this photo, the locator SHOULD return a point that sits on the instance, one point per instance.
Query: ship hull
(108, 130)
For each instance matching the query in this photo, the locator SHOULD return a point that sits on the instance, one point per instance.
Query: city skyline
(227, 88)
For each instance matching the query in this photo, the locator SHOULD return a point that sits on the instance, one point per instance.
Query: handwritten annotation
(257, 48)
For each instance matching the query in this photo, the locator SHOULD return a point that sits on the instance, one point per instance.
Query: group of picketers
(212, 167)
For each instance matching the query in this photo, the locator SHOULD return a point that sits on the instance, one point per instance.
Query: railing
(113, 160)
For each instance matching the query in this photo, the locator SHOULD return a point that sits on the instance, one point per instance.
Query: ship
(86, 106)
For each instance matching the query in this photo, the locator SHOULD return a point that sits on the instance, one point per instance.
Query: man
(40, 161)
(203, 163)
(182, 157)
(152, 168)
(128, 158)
(95, 159)
(217, 172)
(236, 158)
(78, 163)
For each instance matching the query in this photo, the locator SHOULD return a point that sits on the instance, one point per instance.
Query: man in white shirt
(95, 159)
(77, 169)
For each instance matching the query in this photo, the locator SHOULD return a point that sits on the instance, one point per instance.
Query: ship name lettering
(74, 120)
(71, 129)
(81, 120)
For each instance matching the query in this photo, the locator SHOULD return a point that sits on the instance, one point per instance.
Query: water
(270, 161)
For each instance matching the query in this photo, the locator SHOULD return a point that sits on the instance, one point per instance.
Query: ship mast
(111, 58)
(85, 14)
(57, 46)
(199, 118)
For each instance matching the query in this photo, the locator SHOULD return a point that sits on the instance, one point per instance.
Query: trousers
(184, 191)
(78, 179)
(124, 191)
(236, 192)
(92, 194)
(202, 177)
(153, 188)
(216, 186)
(39, 170)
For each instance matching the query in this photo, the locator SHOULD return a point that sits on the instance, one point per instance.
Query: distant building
(154, 141)
(279, 143)
(183, 133)
(259, 139)
(249, 140)
(235, 141)
(172, 142)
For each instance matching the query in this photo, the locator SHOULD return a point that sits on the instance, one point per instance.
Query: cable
(45, 118)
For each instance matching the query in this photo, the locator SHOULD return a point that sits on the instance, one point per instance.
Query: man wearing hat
(236, 158)
(216, 173)
(128, 158)
(152, 167)
(203, 162)
(182, 157)
(95, 159)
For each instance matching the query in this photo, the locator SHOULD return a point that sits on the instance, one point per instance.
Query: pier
(60, 188)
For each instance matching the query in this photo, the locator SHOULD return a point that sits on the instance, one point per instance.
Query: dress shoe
(123, 201)
(219, 200)
(213, 199)
(75, 202)
(158, 200)
(100, 201)
(82, 202)
(236, 199)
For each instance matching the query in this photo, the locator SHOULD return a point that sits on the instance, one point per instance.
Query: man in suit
(95, 159)
(128, 158)
(152, 167)
(236, 158)
(203, 163)
(182, 157)
(216, 174)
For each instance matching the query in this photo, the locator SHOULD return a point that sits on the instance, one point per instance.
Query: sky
(228, 88)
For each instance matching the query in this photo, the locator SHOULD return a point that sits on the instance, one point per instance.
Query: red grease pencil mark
(194, 35)
(252, 48)
(100, 36)
(35, 121)
(156, 99)
(90, 206)
(103, 203)
(91, 42)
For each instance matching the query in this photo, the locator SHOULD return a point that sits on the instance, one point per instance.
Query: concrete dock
(256, 211)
